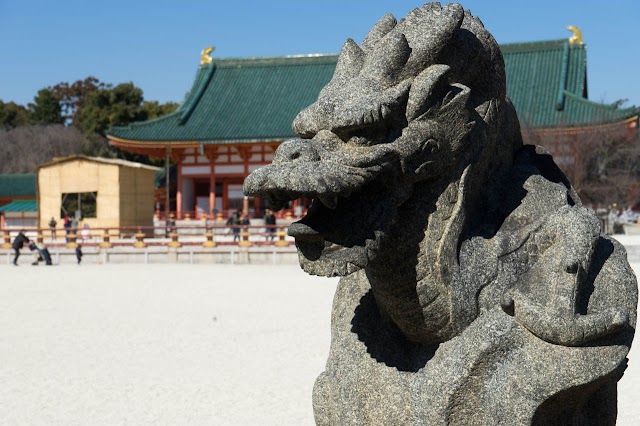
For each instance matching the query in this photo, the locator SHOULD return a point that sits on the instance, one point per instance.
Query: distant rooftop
(547, 83)
(20, 206)
(114, 161)
(18, 185)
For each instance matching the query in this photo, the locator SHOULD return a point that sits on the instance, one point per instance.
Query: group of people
(236, 222)
(70, 224)
(41, 251)
(239, 220)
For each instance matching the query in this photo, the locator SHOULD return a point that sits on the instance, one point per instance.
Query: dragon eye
(363, 136)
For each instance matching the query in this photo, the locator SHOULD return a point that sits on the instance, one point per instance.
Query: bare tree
(602, 162)
(24, 148)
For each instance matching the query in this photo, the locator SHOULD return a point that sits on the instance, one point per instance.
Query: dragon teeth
(385, 111)
(351, 268)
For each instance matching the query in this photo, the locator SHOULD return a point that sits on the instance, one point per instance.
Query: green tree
(154, 109)
(106, 107)
(72, 97)
(13, 115)
(93, 106)
(46, 109)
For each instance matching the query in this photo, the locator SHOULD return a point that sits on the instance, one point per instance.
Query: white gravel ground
(172, 345)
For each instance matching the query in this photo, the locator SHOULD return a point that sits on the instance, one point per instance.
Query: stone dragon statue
(476, 288)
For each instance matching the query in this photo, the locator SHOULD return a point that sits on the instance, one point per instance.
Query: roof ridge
(144, 123)
(195, 96)
(529, 46)
(104, 160)
(292, 60)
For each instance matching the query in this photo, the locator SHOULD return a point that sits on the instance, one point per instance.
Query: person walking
(79, 253)
(18, 243)
(52, 226)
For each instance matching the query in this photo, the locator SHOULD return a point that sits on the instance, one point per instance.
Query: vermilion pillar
(179, 192)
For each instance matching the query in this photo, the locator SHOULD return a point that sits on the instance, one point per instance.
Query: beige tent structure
(101, 192)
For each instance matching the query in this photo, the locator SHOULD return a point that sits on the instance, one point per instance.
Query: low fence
(225, 254)
(195, 242)
(193, 234)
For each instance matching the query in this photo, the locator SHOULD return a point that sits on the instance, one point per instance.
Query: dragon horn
(387, 60)
(350, 60)
(379, 30)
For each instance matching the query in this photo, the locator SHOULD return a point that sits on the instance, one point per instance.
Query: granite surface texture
(476, 288)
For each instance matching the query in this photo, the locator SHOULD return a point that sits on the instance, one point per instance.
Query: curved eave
(116, 132)
(120, 142)
(629, 124)
(126, 143)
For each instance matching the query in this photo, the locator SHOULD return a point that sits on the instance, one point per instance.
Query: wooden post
(174, 240)
(281, 239)
(139, 243)
(245, 205)
(209, 236)
(244, 239)
(179, 192)
(105, 240)
(167, 201)
(72, 240)
(7, 240)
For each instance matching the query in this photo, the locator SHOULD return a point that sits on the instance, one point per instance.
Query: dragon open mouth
(341, 230)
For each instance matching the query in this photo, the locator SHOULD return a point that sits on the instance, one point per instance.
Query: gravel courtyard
(172, 345)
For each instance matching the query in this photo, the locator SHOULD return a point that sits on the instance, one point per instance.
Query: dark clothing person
(171, 224)
(79, 253)
(270, 221)
(18, 243)
(52, 226)
(43, 254)
(234, 223)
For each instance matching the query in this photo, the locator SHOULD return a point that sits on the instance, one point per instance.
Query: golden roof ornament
(205, 55)
(576, 38)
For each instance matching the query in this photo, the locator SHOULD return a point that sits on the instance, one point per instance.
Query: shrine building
(239, 110)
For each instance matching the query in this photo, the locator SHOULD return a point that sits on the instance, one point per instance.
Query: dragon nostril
(572, 267)
(295, 150)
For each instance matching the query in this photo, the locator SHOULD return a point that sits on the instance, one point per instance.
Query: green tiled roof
(547, 82)
(20, 206)
(256, 99)
(18, 185)
(240, 100)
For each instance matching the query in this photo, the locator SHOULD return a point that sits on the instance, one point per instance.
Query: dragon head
(410, 107)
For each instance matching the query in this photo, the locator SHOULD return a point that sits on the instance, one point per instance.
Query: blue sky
(156, 44)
